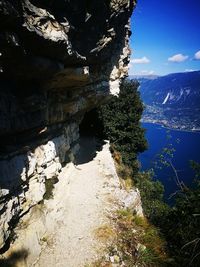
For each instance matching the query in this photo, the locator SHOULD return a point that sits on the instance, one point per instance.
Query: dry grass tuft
(105, 233)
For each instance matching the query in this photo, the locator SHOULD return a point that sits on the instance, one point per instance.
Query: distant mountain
(140, 77)
(172, 100)
(177, 90)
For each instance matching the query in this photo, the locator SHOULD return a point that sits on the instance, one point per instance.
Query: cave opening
(91, 137)
(91, 125)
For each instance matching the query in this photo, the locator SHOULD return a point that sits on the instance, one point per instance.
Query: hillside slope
(172, 100)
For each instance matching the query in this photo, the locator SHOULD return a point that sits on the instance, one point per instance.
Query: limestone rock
(58, 60)
(133, 200)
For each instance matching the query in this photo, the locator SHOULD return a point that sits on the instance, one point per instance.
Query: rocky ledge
(58, 60)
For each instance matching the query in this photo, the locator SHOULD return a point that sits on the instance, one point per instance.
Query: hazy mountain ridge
(172, 100)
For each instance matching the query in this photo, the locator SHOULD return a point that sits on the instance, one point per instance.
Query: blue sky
(165, 37)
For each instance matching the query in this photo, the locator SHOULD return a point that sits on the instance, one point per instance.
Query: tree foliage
(121, 122)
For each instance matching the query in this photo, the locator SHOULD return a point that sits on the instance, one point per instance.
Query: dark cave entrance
(91, 125)
(91, 137)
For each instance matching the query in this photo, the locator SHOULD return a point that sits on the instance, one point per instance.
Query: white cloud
(142, 60)
(143, 73)
(130, 65)
(178, 58)
(197, 55)
(147, 72)
(189, 70)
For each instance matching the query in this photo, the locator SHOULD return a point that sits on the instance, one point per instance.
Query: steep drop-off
(58, 59)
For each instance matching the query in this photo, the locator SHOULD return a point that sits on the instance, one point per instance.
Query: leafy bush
(152, 192)
(180, 224)
(182, 227)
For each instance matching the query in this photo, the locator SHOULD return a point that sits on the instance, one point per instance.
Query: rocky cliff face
(58, 59)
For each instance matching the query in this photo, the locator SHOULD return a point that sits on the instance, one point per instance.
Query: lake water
(188, 148)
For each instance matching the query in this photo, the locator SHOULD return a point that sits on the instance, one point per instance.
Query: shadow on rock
(89, 145)
(14, 259)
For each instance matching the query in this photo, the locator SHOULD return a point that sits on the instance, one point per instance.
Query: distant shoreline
(173, 129)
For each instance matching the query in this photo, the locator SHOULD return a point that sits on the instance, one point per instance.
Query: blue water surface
(187, 147)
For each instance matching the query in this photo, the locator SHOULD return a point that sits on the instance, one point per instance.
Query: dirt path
(61, 232)
(82, 209)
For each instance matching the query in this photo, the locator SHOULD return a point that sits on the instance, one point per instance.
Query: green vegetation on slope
(179, 224)
(137, 242)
